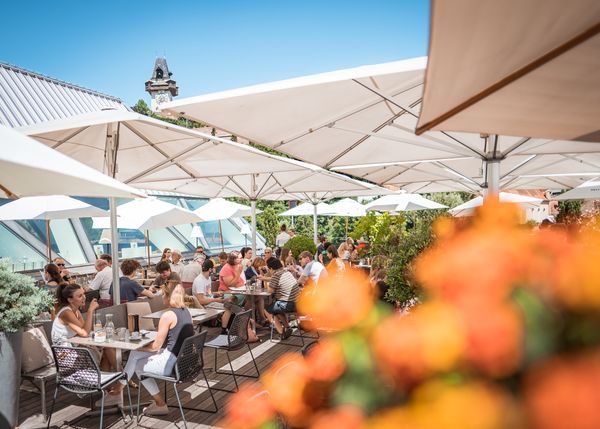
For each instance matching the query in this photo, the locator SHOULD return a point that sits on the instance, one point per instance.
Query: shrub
(21, 301)
(299, 244)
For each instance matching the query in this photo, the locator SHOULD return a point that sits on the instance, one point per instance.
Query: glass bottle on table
(109, 328)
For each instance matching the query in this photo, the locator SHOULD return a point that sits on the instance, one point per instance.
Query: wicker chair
(77, 372)
(235, 339)
(189, 365)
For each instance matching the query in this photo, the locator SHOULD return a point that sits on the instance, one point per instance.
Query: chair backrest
(88, 298)
(141, 308)
(157, 303)
(119, 313)
(76, 369)
(190, 360)
(238, 331)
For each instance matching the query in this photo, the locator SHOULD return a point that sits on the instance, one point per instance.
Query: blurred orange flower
(495, 338)
(326, 360)
(577, 273)
(563, 393)
(249, 408)
(286, 382)
(472, 405)
(431, 340)
(337, 302)
(437, 404)
(344, 416)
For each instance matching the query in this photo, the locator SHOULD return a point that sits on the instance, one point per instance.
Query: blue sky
(110, 46)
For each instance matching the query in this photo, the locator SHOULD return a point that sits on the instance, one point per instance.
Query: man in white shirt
(176, 264)
(103, 280)
(311, 269)
(283, 237)
(201, 288)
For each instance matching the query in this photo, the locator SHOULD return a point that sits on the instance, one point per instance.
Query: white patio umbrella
(403, 203)
(28, 168)
(346, 207)
(306, 209)
(467, 209)
(314, 208)
(588, 191)
(149, 213)
(220, 209)
(547, 87)
(361, 121)
(156, 155)
(47, 208)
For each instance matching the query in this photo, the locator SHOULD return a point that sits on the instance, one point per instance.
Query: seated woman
(52, 277)
(284, 288)
(343, 251)
(159, 357)
(336, 265)
(293, 267)
(257, 272)
(130, 289)
(69, 321)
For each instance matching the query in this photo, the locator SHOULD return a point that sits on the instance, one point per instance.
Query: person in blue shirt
(130, 289)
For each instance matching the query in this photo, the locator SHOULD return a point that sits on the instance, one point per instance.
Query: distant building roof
(28, 98)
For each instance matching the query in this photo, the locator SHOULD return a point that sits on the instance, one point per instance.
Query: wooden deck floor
(70, 407)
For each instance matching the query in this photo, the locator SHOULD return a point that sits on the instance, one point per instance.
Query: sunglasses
(61, 265)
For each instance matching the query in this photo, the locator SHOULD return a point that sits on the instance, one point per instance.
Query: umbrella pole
(346, 228)
(114, 247)
(492, 174)
(148, 249)
(253, 211)
(48, 241)
(315, 223)
(221, 235)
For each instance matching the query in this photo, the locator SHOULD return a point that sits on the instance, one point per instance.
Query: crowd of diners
(280, 273)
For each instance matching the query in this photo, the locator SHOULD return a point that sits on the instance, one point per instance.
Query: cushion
(36, 351)
(141, 308)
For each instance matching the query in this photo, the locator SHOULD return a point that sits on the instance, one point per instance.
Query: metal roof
(28, 98)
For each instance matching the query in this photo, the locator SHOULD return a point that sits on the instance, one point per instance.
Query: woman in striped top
(284, 288)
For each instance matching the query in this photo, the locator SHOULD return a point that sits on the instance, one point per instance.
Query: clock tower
(160, 86)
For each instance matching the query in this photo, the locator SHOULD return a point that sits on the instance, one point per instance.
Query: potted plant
(21, 301)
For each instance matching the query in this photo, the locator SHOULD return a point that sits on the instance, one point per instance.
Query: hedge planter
(10, 368)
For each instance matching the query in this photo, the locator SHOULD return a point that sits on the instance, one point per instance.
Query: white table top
(208, 314)
(244, 291)
(122, 345)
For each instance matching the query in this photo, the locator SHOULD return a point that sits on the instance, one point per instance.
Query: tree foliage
(142, 108)
(400, 239)
(299, 244)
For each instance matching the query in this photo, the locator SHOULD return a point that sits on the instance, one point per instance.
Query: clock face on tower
(162, 98)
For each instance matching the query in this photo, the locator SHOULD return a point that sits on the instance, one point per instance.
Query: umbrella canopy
(306, 209)
(220, 209)
(361, 121)
(346, 207)
(156, 155)
(149, 213)
(403, 203)
(587, 191)
(548, 87)
(28, 168)
(47, 208)
(467, 209)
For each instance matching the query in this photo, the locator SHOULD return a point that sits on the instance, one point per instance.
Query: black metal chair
(77, 372)
(235, 339)
(189, 365)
